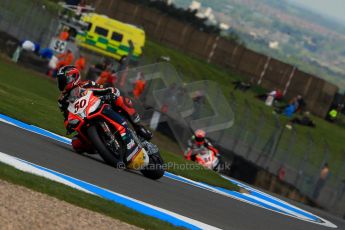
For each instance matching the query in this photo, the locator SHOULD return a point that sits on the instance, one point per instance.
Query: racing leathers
(119, 104)
(194, 146)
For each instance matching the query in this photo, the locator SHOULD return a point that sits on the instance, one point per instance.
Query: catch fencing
(255, 134)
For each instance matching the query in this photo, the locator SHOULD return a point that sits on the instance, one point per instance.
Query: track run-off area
(177, 200)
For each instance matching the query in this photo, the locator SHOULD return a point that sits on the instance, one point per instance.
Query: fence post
(214, 47)
(291, 144)
(289, 80)
(269, 147)
(304, 161)
(233, 101)
(277, 138)
(233, 104)
(261, 121)
(341, 188)
(264, 70)
(243, 123)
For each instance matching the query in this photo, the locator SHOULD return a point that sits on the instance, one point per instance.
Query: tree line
(184, 15)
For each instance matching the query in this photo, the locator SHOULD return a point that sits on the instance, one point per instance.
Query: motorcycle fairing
(138, 160)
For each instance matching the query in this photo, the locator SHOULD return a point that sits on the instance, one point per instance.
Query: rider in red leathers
(198, 140)
(68, 78)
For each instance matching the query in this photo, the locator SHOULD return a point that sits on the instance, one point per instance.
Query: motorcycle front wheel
(155, 169)
(108, 156)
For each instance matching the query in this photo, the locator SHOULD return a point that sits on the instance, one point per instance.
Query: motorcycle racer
(195, 142)
(70, 84)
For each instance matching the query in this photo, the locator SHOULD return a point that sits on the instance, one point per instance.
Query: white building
(224, 26)
(273, 44)
(195, 5)
(208, 12)
(169, 2)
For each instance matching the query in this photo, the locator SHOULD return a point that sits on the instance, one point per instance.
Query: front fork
(112, 142)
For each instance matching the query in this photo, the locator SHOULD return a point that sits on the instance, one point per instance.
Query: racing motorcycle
(207, 158)
(87, 117)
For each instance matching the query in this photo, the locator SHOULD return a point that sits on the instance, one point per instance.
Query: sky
(331, 8)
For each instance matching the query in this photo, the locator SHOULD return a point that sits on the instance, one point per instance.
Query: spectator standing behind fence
(65, 59)
(107, 78)
(59, 61)
(281, 173)
(321, 181)
(64, 34)
(80, 63)
(139, 85)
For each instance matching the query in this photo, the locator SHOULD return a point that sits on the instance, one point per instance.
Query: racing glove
(110, 98)
(63, 103)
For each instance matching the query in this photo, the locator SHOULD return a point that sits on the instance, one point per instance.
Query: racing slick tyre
(108, 156)
(155, 169)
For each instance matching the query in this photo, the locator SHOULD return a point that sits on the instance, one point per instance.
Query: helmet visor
(199, 139)
(62, 82)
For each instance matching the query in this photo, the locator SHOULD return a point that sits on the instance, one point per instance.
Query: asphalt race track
(202, 205)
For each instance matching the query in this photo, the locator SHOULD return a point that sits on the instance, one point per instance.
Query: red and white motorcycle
(207, 158)
(89, 117)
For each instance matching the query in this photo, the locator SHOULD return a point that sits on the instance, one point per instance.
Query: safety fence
(257, 135)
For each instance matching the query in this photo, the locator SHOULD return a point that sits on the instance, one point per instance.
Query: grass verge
(81, 199)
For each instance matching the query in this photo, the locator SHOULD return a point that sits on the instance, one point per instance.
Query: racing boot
(139, 128)
(143, 132)
(77, 144)
(81, 146)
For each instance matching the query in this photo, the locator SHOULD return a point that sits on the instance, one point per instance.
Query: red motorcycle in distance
(87, 116)
(207, 158)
